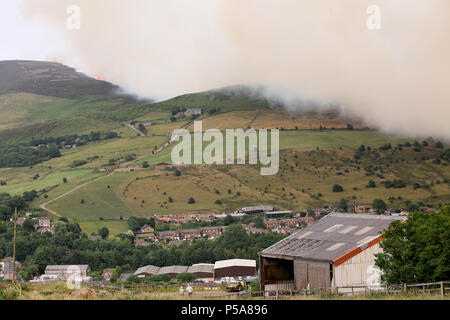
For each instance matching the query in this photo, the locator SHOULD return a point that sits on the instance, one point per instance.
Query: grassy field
(311, 162)
(114, 226)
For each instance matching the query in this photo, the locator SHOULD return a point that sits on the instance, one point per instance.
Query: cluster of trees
(8, 203)
(136, 223)
(74, 139)
(24, 156)
(418, 249)
(394, 184)
(70, 246)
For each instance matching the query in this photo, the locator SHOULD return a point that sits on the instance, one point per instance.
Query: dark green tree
(379, 205)
(418, 249)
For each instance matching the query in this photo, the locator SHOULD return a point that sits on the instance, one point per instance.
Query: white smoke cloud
(396, 78)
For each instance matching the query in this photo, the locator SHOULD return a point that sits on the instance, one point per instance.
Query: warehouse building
(338, 250)
(234, 268)
(257, 209)
(202, 270)
(66, 271)
(147, 271)
(173, 271)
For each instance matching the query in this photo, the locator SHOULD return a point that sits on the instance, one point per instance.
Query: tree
(259, 223)
(228, 220)
(104, 232)
(439, 145)
(343, 205)
(191, 200)
(142, 128)
(379, 205)
(338, 188)
(145, 165)
(372, 184)
(416, 250)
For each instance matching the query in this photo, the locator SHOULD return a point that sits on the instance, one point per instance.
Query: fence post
(442, 289)
(352, 290)
(405, 288)
(387, 289)
(277, 294)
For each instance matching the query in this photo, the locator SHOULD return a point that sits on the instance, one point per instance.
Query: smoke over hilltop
(396, 78)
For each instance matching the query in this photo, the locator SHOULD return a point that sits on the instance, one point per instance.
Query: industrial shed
(202, 270)
(338, 250)
(146, 271)
(234, 268)
(66, 271)
(173, 271)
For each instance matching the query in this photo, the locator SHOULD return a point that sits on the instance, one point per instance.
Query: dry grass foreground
(59, 291)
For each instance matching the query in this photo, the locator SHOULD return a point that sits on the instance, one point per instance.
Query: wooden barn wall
(319, 275)
(357, 270)
(300, 274)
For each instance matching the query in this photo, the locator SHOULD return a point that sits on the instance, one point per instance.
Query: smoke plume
(397, 78)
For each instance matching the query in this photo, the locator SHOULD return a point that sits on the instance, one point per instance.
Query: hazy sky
(396, 78)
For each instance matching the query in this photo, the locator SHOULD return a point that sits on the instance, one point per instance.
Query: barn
(234, 268)
(147, 271)
(172, 271)
(338, 250)
(202, 270)
(66, 271)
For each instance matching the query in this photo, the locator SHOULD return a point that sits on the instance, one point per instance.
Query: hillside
(106, 179)
(49, 79)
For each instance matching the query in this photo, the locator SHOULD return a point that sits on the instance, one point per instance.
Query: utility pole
(14, 246)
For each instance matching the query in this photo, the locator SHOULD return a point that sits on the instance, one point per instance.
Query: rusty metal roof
(331, 237)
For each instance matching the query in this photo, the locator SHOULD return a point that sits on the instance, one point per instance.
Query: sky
(397, 77)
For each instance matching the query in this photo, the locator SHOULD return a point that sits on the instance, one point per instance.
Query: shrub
(338, 188)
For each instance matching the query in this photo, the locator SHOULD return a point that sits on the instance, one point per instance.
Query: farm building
(338, 250)
(234, 268)
(173, 271)
(202, 270)
(146, 271)
(65, 271)
(257, 209)
(276, 214)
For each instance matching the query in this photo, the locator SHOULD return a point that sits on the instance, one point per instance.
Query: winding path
(44, 205)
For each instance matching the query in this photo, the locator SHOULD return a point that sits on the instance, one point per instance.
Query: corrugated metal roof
(235, 263)
(173, 269)
(147, 269)
(350, 231)
(201, 267)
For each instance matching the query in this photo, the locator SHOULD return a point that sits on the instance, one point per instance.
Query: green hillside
(105, 178)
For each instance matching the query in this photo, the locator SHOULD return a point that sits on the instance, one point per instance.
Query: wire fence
(437, 288)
